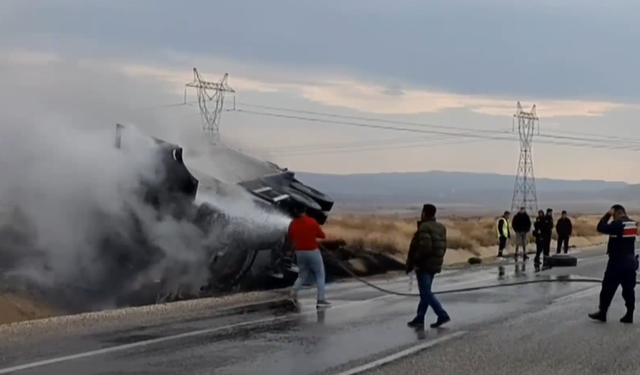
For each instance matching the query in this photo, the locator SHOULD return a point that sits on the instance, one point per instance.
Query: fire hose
(556, 279)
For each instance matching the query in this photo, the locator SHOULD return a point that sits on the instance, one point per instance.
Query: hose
(556, 279)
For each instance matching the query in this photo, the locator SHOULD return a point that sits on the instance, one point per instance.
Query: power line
(597, 141)
(562, 141)
(370, 119)
(382, 148)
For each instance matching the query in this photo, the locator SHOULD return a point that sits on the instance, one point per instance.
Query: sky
(448, 72)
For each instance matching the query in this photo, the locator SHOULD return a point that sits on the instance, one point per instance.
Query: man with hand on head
(622, 265)
(426, 255)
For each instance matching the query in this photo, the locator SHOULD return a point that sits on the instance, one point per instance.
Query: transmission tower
(210, 92)
(524, 192)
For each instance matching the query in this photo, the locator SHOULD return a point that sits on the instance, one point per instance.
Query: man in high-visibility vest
(503, 231)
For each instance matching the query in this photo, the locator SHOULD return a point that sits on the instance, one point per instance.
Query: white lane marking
(401, 354)
(138, 344)
(581, 294)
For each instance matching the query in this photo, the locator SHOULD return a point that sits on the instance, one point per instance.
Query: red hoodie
(303, 232)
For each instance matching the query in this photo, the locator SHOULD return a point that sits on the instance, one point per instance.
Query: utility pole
(210, 92)
(524, 192)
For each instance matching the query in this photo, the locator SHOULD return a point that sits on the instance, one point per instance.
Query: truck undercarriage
(232, 251)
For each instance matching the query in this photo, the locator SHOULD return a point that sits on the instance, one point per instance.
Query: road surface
(529, 329)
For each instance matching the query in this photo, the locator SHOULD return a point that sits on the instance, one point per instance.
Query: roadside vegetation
(474, 236)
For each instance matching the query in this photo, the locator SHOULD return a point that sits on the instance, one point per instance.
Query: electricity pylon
(524, 192)
(210, 92)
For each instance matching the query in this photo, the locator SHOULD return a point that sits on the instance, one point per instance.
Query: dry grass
(392, 234)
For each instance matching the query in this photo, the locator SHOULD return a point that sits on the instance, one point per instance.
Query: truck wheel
(326, 203)
(561, 260)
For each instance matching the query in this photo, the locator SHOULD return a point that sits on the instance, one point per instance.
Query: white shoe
(294, 297)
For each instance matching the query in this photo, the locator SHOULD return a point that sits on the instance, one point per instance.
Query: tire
(561, 260)
(326, 203)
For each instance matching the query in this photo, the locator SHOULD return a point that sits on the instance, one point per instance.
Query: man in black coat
(521, 224)
(537, 233)
(563, 229)
(547, 230)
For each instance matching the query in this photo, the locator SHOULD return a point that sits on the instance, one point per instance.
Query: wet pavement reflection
(362, 324)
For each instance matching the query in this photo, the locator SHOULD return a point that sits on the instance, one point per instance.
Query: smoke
(81, 231)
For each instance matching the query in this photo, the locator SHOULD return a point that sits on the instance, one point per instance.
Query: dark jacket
(537, 228)
(521, 223)
(428, 246)
(564, 227)
(622, 236)
(546, 227)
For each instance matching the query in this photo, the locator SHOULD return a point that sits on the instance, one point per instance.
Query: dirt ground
(14, 308)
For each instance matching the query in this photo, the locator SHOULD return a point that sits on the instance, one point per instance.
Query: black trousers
(563, 240)
(541, 248)
(619, 272)
(547, 244)
(502, 245)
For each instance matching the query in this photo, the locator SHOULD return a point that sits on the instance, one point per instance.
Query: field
(466, 236)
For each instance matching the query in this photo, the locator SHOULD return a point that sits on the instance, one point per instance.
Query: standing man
(426, 255)
(303, 233)
(563, 229)
(622, 265)
(547, 230)
(521, 224)
(538, 234)
(503, 232)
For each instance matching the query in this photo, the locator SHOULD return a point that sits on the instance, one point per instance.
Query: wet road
(529, 329)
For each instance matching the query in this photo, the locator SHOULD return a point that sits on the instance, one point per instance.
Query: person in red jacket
(303, 233)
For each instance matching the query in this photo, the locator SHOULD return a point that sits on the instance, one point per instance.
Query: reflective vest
(505, 228)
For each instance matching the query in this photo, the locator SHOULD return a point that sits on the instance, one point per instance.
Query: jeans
(521, 241)
(427, 298)
(310, 263)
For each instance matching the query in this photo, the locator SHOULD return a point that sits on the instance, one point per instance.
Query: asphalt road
(529, 329)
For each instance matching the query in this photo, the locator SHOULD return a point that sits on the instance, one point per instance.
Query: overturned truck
(236, 255)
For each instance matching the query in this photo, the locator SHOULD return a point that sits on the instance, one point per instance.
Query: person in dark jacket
(563, 229)
(426, 255)
(521, 224)
(622, 265)
(547, 230)
(538, 227)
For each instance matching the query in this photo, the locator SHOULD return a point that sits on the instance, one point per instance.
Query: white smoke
(75, 191)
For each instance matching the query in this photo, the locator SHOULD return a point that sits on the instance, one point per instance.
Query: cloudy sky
(446, 73)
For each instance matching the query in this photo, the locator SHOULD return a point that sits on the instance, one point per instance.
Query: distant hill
(460, 188)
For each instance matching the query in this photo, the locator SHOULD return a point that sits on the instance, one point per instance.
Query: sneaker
(415, 323)
(323, 303)
(440, 322)
(600, 316)
(525, 257)
(627, 318)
